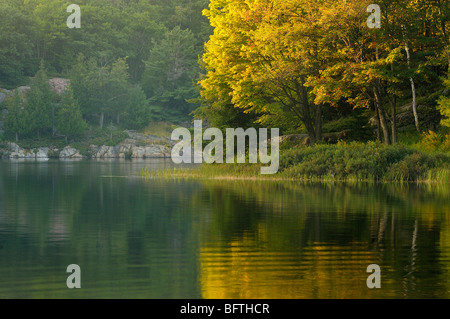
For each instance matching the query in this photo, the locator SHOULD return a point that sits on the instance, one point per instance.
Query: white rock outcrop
(42, 153)
(137, 146)
(15, 151)
(69, 152)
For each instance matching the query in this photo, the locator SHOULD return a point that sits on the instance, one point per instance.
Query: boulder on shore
(104, 151)
(15, 151)
(69, 152)
(129, 151)
(42, 153)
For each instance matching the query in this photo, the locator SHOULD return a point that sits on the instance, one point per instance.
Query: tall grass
(352, 162)
(371, 161)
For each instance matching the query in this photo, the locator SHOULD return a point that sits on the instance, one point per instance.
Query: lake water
(150, 238)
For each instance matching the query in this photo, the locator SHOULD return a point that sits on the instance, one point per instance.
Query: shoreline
(337, 163)
(134, 146)
(200, 173)
(317, 179)
(95, 152)
(353, 162)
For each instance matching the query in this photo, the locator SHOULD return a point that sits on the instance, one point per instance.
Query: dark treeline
(130, 62)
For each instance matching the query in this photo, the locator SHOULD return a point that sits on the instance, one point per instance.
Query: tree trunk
(378, 106)
(411, 80)
(307, 118)
(378, 124)
(383, 123)
(17, 137)
(318, 122)
(393, 102)
(101, 119)
(414, 107)
(118, 118)
(394, 121)
(66, 140)
(311, 131)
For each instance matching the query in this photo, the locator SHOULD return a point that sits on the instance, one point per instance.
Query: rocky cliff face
(58, 85)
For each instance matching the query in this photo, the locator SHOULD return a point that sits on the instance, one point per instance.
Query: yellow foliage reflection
(244, 271)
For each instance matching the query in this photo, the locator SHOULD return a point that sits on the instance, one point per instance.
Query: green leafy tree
(142, 32)
(17, 121)
(16, 49)
(187, 14)
(100, 89)
(80, 83)
(40, 102)
(69, 120)
(115, 88)
(376, 68)
(260, 58)
(288, 61)
(138, 113)
(132, 31)
(171, 71)
(49, 19)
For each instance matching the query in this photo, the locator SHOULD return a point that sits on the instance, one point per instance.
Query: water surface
(137, 238)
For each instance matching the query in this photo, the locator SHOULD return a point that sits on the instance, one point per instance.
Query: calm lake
(138, 238)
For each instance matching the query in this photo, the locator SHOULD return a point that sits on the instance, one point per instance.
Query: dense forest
(130, 62)
(316, 65)
(305, 66)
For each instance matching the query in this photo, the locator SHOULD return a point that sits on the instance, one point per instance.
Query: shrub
(434, 142)
(445, 146)
(367, 161)
(430, 141)
(411, 168)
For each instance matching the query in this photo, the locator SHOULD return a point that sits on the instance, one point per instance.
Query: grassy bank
(340, 162)
(370, 161)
